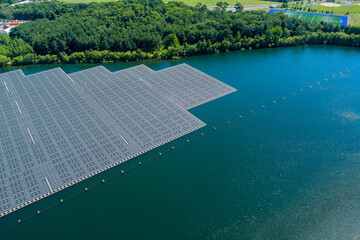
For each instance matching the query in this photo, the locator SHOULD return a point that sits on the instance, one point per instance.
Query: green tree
(222, 5)
(171, 41)
(140, 29)
(300, 30)
(4, 60)
(239, 7)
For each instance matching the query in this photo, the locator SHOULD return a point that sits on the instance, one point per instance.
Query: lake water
(288, 171)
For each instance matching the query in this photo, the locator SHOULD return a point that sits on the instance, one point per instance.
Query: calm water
(289, 171)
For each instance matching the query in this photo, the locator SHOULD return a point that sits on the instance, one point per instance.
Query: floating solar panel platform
(137, 71)
(184, 84)
(58, 129)
(146, 119)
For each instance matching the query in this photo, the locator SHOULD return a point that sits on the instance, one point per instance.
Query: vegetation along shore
(135, 30)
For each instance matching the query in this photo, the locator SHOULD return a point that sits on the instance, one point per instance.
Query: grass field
(354, 11)
(314, 18)
(231, 2)
(87, 1)
(189, 2)
(354, 19)
(318, 19)
(342, 9)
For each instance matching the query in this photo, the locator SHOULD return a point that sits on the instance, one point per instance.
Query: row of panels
(58, 129)
(183, 84)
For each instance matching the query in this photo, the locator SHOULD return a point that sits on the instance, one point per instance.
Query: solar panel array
(146, 118)
(58, 129)
(185, 85)
(137, 71)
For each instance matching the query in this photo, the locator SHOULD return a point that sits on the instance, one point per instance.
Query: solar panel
(185, 85)
(146, 118)
(18, 180)
(137, 71)
(58, 129)
(62, 139)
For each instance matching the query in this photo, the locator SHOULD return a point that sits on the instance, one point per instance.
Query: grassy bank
(342, 9)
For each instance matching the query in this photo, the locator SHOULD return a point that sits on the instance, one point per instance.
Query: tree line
(131, 30)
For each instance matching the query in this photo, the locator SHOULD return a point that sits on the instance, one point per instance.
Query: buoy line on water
(174, 147)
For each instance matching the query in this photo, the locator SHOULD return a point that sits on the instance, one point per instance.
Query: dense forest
(9, 1)
(131, 30)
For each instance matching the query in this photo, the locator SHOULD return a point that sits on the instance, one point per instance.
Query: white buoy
(292, 93)
(160, 154)
(122, 171)
(240, 116)
(103, 180)
(19, 221)
(318, 83)
(214, 128)
(302, 90)
(172, 148)
(61, 200)
(283, 98)
(187, 141)
(86, 189)
(252, 111)
(263, 106)
(38, 212)
(274, 102)
(139, 163)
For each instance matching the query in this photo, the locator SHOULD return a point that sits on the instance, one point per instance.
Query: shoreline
(167, 59)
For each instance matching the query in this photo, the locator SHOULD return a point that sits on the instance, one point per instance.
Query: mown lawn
(355, 19)
(342, 9)
(189, 2)
(231, 2)
(87, 1)
(354, 11)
